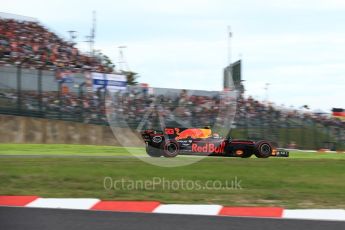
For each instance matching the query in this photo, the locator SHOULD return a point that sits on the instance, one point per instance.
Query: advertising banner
(116, 82)
(98, 81)
(111, 82)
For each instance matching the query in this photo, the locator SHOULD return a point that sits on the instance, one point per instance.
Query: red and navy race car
(201, 141)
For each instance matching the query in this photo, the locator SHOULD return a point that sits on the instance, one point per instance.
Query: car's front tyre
(153, 151)
(170, 149)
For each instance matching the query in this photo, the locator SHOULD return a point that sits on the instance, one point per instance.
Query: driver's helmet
(215, 135)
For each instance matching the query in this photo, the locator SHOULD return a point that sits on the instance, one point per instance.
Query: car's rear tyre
(170, 149)
(153, 151)
(263, 149)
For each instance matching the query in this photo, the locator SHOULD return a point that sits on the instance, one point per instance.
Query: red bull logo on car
(208, 148)
(192, 133)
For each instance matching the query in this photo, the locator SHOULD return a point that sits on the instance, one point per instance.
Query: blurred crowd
(180, 109)
(87, 108)
(254, 110)
(137, 109)
(186, 110)
(31, 45)
(192, 110)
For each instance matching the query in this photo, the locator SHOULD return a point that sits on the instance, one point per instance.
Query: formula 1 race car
(201, 141)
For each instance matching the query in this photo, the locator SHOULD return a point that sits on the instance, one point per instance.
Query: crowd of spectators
(262, 115)
(135, 108)
(87, 108)
(254, 110)
(194, 110)
(31, 45)
(180, 109)
(201, 110)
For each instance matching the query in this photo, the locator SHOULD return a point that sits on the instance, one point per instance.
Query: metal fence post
(19, 87)
(81, 101)
(287, 136)
(246, 126)
(100, 96)
(315, 135)
(302, 145)
(329, 131)
(277, 130)
(39, 87)
(59, 98)
(340, 140)
(261, 125)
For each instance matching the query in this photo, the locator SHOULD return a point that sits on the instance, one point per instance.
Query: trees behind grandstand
(131, 77)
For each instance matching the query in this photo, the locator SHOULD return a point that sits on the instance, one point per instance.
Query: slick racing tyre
(170, 149)
(263, 149)
(153, 151)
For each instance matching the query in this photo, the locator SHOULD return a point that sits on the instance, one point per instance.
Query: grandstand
(33, 59)
(29, 44)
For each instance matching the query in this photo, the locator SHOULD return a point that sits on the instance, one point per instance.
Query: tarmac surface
(39, 218)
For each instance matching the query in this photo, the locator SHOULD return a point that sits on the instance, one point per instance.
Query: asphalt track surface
(18, 218)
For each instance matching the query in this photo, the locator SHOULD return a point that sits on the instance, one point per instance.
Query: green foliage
(131, 77)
